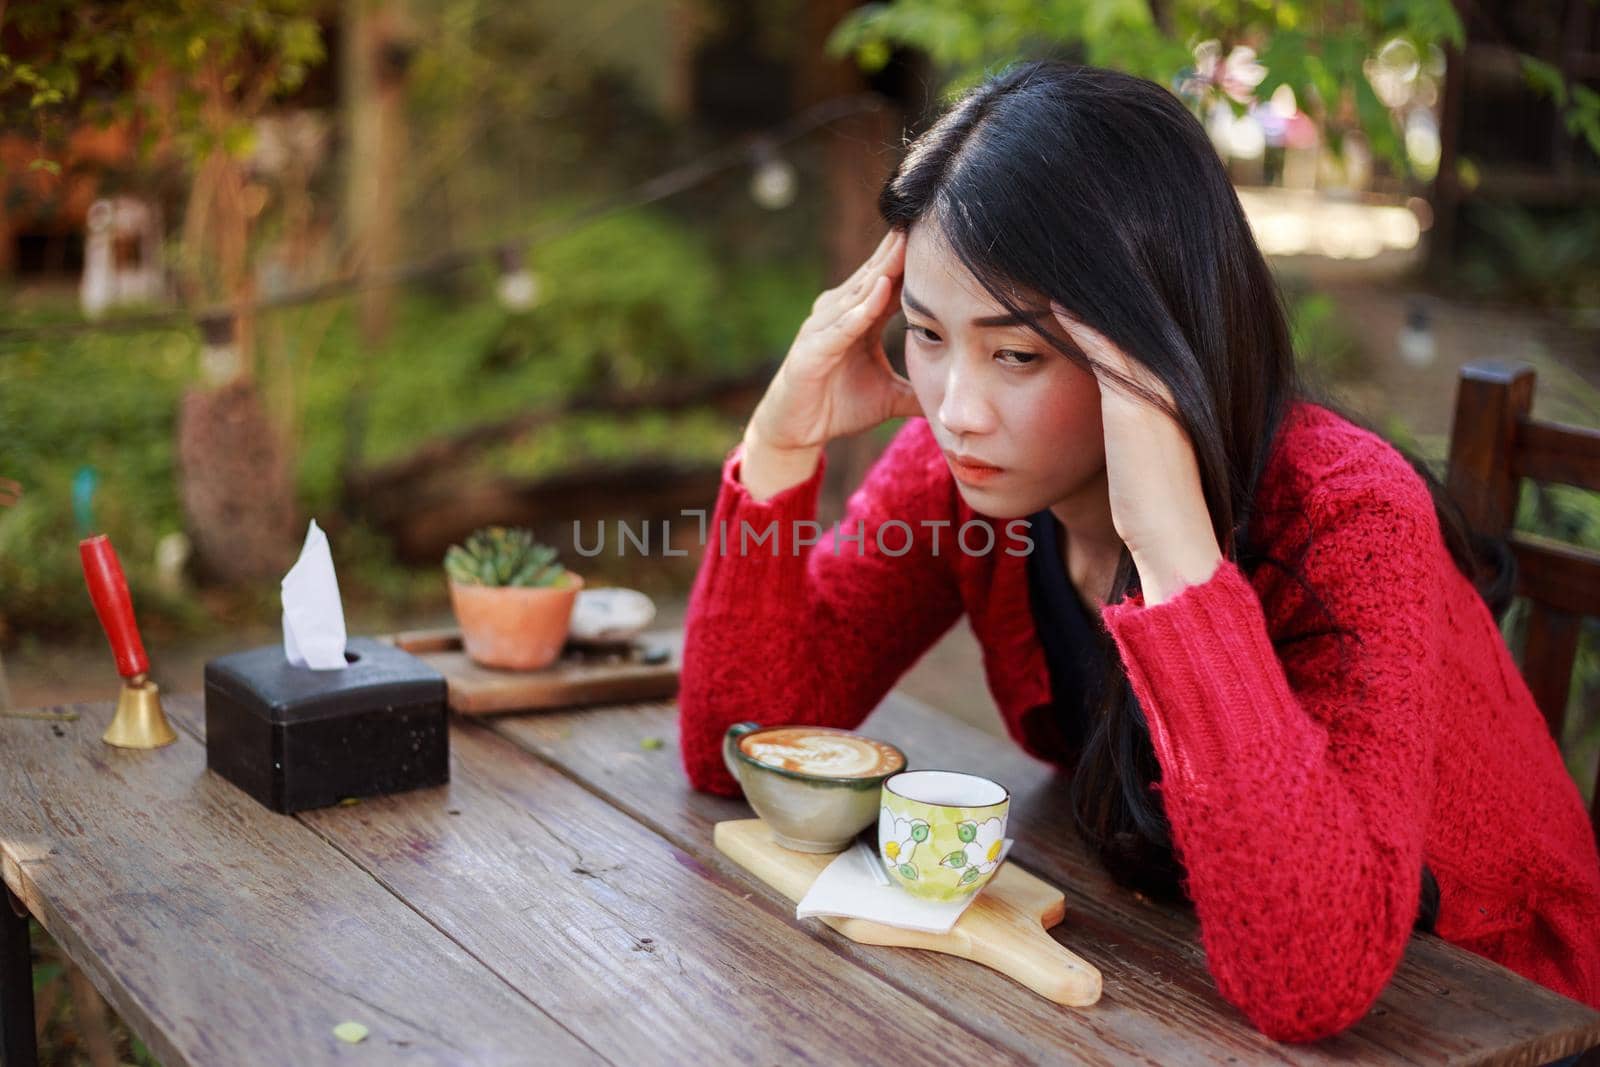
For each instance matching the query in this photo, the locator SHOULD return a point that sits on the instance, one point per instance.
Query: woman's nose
(965, 409)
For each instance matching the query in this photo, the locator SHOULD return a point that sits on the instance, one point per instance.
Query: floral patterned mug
(941, 833)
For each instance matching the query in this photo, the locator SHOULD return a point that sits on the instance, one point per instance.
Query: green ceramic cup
(784, 773)
(940, 833)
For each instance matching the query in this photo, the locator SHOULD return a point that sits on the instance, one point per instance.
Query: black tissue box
(295, 738)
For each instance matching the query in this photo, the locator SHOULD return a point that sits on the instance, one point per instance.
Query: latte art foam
(807, 750)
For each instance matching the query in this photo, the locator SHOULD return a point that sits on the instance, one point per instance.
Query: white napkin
(852, 886)
(313, 615)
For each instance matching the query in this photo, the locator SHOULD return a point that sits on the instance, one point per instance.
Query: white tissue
(850, 887)
(313, 615)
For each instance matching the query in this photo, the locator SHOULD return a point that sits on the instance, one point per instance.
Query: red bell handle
(108, 588)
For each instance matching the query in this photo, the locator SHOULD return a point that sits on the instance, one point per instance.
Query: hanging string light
(220, 359)
(1416, 342)
(517, 288)
(773, 182)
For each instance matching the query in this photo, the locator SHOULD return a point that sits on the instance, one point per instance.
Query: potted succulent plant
(512, 599)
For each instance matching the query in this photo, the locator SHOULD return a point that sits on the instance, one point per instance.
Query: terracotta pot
(518, 629)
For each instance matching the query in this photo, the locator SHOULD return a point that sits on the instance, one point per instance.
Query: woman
(1254, 633)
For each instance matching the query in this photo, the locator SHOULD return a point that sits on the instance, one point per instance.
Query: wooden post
(374, 78)
(1490, 399)
(857, 159)
(1548, 654)
(235, 486)
(92, 1018)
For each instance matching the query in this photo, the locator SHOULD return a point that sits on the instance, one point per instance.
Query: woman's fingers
(869, 267)
(884, 251)
(1113, 367)
(853, 322)
(1090, 340)
(845, 312)
(1100, 352)
(842, 317)
(880, 262)
(831, 303)
(827, 385)
(892, 257)
(890, 267)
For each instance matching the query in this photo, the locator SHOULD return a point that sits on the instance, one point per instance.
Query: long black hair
(1100, 190)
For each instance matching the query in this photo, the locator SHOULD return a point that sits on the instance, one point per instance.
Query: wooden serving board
(1003, 929)
(583, 675)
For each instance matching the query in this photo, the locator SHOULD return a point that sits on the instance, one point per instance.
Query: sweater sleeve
(788, 623)
(1298, 790)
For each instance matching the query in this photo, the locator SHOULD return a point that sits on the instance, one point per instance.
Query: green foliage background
(634, 299)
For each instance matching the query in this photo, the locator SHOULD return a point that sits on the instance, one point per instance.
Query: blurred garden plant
(201, 74)
(1550, 259)
(1337, 59)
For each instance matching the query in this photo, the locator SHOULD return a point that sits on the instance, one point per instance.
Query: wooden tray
(598, 674)
(1003, 929)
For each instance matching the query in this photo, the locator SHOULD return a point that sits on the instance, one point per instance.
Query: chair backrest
(1494, 444)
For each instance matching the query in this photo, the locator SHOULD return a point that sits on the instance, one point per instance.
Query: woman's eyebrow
(986, 320)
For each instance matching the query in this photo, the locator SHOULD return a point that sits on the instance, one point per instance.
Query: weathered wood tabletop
(561, 901)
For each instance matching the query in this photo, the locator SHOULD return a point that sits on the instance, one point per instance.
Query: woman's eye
(1022, 358)
(924, 334)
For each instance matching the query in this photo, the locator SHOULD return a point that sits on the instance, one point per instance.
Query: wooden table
(561, 901)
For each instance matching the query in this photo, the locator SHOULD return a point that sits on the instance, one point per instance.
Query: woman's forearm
(767, 471)
(793, 629)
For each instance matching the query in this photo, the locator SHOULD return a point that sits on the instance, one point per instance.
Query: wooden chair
(1494, 444)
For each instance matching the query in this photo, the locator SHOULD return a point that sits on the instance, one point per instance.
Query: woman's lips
(970, 471)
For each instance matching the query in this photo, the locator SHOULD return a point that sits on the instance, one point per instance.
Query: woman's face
(993, 391)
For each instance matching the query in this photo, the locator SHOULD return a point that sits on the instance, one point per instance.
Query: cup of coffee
(940, 833)
(816, 787)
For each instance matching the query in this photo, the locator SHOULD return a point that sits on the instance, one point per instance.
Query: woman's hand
(836, 379)
(1157, 503)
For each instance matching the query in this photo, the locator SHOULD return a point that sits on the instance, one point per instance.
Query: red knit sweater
(1303, 793)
